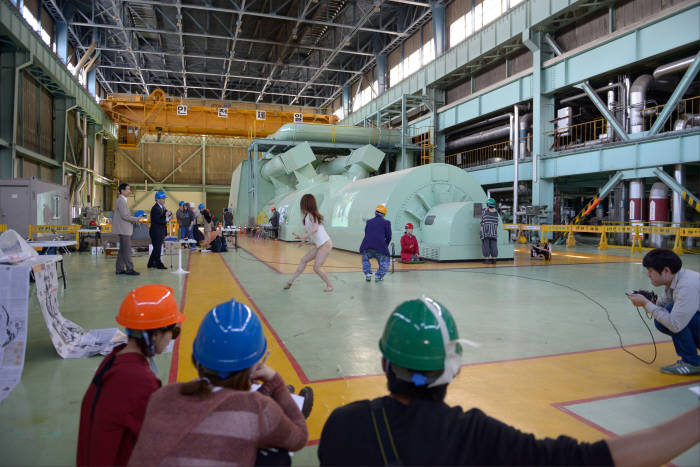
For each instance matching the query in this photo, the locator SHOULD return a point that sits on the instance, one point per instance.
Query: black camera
(651, 296)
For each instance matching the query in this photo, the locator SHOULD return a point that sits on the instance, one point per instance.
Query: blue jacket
(377, 235)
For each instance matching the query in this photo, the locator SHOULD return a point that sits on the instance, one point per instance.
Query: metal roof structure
(293, 52)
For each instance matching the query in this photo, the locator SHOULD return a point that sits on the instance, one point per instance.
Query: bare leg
(321, 257)
(302, 264)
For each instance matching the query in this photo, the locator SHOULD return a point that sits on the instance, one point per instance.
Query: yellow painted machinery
(159, 114)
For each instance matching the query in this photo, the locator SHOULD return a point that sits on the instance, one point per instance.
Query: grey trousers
(124, 257)
(489, 247)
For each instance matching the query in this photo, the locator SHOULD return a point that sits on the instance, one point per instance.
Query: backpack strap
(390, 455)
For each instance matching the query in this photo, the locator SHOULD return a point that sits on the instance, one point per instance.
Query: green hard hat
(491, 202)
(413, 335)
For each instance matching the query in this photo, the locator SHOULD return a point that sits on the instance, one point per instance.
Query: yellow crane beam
(159, 114)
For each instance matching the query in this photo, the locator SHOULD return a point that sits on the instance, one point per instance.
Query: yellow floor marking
(521, 392)
(284, 257)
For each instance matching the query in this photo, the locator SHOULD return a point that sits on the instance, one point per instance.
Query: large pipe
(583, 94)
(480, 137)
(516, 156)
(673, 67)
(337, 134)
(658, 211)
(524, 124)
(638, 98)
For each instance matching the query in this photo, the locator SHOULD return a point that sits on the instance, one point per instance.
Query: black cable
(607, 312)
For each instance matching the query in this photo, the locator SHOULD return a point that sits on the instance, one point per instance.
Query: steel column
(438, 11)
(692, 200)
(603, 109)
(682, 87)
(381, 75)
(404, 121)
(204, 170)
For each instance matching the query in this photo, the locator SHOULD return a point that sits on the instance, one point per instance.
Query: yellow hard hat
(381, 208)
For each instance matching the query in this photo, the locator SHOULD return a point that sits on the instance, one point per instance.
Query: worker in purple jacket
(376, 244)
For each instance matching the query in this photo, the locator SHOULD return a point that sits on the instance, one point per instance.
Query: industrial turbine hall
(349, 232)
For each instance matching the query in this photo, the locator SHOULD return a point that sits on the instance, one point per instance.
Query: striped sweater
(489, 224)
(225, 429)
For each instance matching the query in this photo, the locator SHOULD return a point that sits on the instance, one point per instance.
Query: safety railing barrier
(686, 113)
(172, 228)
(3, 227)
(579, 135)
(491, 154)
(637, 231)
(70, 230)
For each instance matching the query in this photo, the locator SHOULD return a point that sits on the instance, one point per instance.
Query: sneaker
(368, 277)
(378, 279)
(308, 394)
(681, 368)
(493, 260)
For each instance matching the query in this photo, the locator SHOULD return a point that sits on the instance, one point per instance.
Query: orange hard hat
(381, 208)
(272, 208)
(151, 306)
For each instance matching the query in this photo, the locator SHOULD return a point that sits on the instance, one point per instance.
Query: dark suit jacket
(377, 235)
(158, 220)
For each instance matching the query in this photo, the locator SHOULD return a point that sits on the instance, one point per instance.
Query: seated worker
(115, 402)
(677, 311)
(413, 426)
(543, 249)
(275, 223)
(216, 419)
(376, 244)
(409, 245)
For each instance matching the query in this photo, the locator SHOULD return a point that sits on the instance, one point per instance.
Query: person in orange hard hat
(115, 403)
(409, 245)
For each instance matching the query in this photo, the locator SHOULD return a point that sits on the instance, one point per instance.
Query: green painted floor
(513, 312)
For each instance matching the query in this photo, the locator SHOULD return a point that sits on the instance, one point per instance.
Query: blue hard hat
(181, 203)
(140, 213)
(201, 206)
(160, 194)
(230, 339)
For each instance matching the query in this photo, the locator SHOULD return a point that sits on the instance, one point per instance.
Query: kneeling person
(677, 311)
(375, 244)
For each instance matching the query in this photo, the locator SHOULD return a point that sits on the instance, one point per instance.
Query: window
(429, 51)
(395, 75)
(457, 31)
(413, 62)
(492, 10)
(429, 220)
(29, 18)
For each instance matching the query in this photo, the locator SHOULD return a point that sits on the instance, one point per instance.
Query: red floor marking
(300, 373)
(563, 405)
(176, 347)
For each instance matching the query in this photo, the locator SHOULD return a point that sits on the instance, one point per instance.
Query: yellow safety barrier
(3, 227)
(172, 228)
(637, 231)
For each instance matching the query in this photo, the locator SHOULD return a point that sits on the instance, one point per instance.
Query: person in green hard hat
(421, 355)
(489, 232)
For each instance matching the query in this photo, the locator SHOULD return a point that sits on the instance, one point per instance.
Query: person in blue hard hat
(217, 419)
(159, 229)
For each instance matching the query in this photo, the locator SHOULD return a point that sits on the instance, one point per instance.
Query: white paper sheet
(14, 295)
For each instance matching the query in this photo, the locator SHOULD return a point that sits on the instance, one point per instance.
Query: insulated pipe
(583, 94)
(636, 202)
(638, 97)
(481, 123)
(673, 67)
(480, 137)
(658, 210)
(523, 125)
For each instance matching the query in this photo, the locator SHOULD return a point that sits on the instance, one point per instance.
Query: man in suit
(123, 225)
(158, 230)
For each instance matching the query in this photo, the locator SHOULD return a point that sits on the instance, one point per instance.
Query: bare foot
(328, 289)
(287, 285)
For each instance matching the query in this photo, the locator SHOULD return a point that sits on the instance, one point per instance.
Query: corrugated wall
(35, 128)
(159, 160)
(633, 11)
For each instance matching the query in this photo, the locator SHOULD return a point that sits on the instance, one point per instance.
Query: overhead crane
(158, 114)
